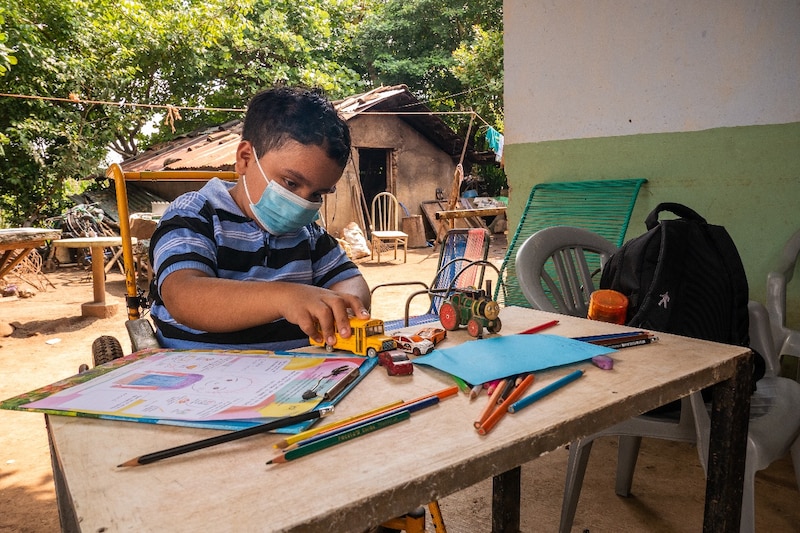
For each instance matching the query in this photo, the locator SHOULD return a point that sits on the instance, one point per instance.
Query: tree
(435, 47)
(189, 54)
(449, 53)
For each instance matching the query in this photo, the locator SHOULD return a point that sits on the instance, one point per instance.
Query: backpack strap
(679, 209)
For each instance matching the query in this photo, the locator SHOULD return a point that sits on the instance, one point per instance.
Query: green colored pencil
(333, 440)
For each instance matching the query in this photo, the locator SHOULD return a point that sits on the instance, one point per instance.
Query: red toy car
(396, 362)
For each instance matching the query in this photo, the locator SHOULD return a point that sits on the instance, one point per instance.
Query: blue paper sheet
(483, 360)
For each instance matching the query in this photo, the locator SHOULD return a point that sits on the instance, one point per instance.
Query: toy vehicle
(433, 334)
(396, 362)
(472, 307)
(367, 338)
(413, 343)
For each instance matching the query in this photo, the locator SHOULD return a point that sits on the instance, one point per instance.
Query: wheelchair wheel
(105, 349)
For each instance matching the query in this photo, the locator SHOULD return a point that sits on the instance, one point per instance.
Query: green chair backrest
(602, 206)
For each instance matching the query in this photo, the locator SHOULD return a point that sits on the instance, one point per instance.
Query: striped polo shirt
(205, 230)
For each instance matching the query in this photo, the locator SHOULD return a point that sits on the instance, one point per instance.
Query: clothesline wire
(170, 107)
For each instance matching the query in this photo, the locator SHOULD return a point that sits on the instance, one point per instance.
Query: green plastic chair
(603, 207)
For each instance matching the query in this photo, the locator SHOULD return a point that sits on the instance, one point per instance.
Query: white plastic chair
(787, 341)
(555, 265)
(385, 225)
(774, 418)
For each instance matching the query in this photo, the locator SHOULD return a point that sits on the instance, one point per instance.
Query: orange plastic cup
(608, 305)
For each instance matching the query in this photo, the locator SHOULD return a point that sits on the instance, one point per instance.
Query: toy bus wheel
(448, 316)
(372, 352)
(105, 349)
(328, 348)
(495, 326)
(474, 328)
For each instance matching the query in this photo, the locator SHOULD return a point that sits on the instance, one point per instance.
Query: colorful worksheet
(199, 386)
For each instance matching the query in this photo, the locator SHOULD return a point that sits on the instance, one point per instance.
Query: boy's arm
(207, 303)
(357, 286)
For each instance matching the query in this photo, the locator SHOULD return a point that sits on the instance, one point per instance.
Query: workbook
(201, 388)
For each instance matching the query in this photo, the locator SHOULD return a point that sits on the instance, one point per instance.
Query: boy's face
(305, 170)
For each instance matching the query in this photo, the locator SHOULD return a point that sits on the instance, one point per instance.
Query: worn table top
(377, 476)
(88, 242)
(11, 238)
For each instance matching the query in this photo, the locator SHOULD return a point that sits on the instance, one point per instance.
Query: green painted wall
(744, 178)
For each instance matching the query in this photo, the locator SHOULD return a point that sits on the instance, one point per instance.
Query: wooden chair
(385, 226)
(602, 206)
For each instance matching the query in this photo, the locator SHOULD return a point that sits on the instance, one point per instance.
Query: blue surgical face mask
(280, 211)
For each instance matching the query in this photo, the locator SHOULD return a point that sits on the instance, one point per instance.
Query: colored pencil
(475, 391)
(410, 407)
(491, 405)
(500, 412)
(283, 443)
(544, 391)
(228, 437)
(510, 384)
(333, 440)
(612, 336)
(461, 384)
(540, 327)
(491, 385)
(441, 394)
(631, 343)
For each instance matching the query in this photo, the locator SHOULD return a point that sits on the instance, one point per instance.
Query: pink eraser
(603, 361)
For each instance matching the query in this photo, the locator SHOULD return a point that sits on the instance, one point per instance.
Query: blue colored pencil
(544, 391)
(610, 336)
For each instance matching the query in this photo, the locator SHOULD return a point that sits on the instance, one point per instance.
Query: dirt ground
(51, 339)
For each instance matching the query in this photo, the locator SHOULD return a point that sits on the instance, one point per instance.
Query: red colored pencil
(540, 327)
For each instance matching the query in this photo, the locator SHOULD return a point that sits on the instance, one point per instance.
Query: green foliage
(134, 57)
(187, 53)
(449, 53)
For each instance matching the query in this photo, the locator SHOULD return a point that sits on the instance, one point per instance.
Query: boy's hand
(320, 313)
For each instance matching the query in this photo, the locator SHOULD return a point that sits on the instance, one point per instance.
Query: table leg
(727, 449)
(98, 307)
(8, 264)
(66, 510)
(506, 500)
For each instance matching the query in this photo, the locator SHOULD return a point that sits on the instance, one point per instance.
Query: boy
(244, 265)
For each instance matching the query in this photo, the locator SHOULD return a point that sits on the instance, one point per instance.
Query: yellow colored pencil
(288, 441)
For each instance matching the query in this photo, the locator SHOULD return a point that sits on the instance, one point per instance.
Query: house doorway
(373, 172)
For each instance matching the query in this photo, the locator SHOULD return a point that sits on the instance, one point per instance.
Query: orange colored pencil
(491, 404)
(495, 417)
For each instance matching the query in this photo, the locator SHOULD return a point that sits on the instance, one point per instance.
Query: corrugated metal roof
(215, 148)
(138, 200)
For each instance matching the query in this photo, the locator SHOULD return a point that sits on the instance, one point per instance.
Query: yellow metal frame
(120, 178)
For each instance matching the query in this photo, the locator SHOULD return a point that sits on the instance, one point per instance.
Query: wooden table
(388, 472)
(23, 241)
(98, 307)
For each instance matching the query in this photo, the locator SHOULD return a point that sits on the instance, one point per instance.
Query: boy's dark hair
(281, 114)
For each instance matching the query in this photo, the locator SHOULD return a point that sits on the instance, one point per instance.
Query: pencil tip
(132, 462)
(269, 462)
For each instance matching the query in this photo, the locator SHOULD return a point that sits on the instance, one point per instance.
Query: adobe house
(398, 146)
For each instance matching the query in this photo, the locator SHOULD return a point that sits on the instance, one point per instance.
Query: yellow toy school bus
(367, 338)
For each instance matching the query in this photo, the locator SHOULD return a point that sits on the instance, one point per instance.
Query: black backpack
(684, 276)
